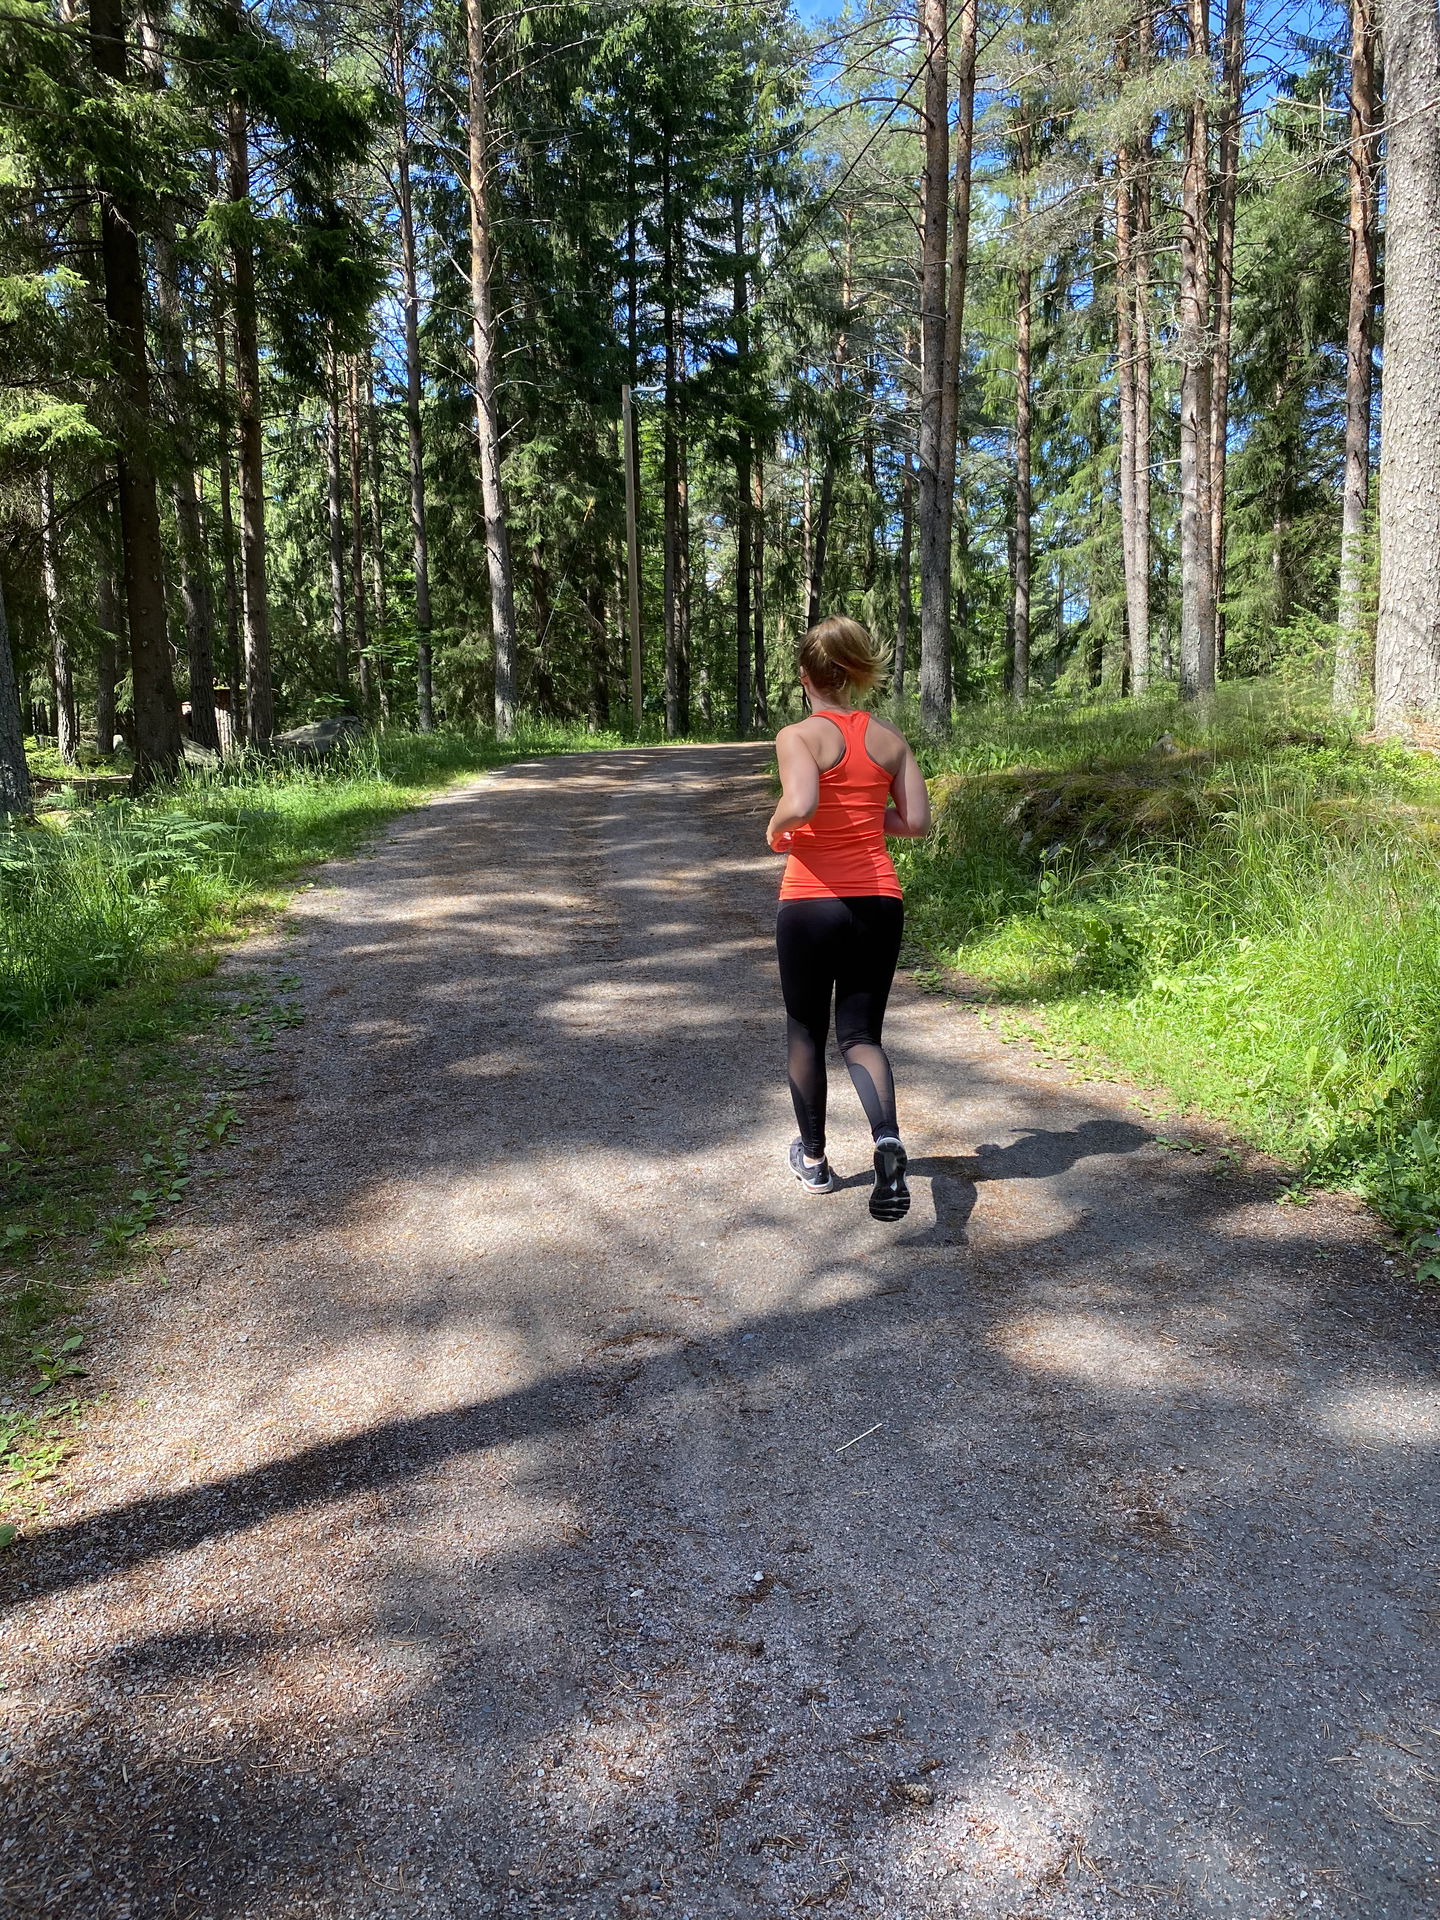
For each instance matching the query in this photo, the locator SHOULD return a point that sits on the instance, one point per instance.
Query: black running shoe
(890, 1196)
(813, 1179)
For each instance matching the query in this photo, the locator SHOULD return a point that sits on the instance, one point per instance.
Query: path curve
(475, 1528)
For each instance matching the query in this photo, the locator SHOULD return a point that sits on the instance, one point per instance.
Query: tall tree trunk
(959, 276)
(376, 517)
(683, 578)
(156, 711)
(335, 522)
(410, 302)
(1232, 75)
(234, 671)
(1197, 578)
(670, 464)
(1139, 611)
(757, 497)
(1020, 548)
(62, 677)
(744, 581)
(357, 532)
(870, 561)
(1130, 540)
(259, 691)
(1407, 638)
(744, 473)
(904, 581)
(934, 217)
(830, 435)
(14, 769)
(807, 525)
(195, 599)
(484, 346)
(1359, 355)
(107, 615)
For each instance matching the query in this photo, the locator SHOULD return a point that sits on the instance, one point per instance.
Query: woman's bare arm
(908, 815)
(799, 785)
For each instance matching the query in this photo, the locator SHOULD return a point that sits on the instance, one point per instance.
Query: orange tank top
(840, 852)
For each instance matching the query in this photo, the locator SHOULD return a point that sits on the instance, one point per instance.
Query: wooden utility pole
(632, 555)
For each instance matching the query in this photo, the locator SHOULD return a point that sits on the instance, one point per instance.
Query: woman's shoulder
(884, 742)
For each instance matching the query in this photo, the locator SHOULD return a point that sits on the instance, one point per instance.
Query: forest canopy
(1046, 341)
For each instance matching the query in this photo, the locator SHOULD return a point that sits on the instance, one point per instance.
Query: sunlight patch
(1095, 1350)
(1383, 1415)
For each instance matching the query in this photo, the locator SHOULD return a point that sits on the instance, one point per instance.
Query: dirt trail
(473, 1529)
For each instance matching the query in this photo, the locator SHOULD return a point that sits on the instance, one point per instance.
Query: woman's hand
(779, 840)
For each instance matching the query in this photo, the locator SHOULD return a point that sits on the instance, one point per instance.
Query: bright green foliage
(1251, 923)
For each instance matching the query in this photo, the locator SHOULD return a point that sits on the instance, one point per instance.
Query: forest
(1044, 340)
(493, 380)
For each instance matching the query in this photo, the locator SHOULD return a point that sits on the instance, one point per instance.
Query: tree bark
(831, 455)
(62, 677)
(683, 579)
(259, 691)
(484, 347)
(410, 302)
(376, 516)
(357, 531)
(904, 581)
(1020, 549)
(1407, 638)
(156, 712)
(1359, 356)
(744, 462)
(1140, 262)
(107, 614)
(1197, 579)
(1130, 539)
(335, 522)
(195, 599)
(1232, 73)
(959, 275)
(757, 497)
(934, 218)
(233, 614)
(675, 718)
(14, 769)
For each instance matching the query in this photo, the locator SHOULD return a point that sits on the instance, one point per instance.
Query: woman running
(848, 779)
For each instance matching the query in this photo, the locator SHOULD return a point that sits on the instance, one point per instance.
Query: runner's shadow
(1038, 1154)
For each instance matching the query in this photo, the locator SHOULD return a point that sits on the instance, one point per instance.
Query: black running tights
(848, 949)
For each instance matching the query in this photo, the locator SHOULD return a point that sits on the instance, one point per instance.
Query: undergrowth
(1244, 912)
(118, 1050)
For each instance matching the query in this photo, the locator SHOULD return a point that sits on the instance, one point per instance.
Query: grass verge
(119, 1053)
(1243, 911)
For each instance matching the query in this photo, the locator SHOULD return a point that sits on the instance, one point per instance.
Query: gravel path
(480, 1525)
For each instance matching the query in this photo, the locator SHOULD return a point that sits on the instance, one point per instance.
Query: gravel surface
(478, 1523)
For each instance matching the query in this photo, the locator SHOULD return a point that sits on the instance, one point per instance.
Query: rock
(198, 756)
(319, 738)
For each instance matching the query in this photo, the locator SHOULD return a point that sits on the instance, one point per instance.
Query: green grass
(121, 1056)
(1250, 921)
